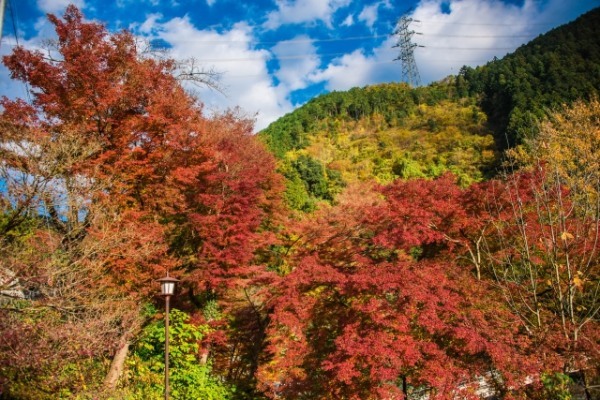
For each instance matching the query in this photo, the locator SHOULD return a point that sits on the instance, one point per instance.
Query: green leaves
(189, 378)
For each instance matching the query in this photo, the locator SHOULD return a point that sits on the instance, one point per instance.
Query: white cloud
(358, 69)
(58, 6)
(349, 21)
(210, 2)
(150, 23)
(294, 70)
(303, 11)
(138, 4)
(369, 15)
(245, 79)
(346, 72)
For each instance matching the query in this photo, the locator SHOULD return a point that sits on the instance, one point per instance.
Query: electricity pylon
(410, 72)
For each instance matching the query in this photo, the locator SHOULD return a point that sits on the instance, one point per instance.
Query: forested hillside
(519, 90)
(381, 132)
(461, 124)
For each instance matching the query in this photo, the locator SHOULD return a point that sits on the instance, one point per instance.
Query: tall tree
(540, 236)
(113, 175)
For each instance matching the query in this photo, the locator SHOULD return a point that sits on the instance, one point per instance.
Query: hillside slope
(381, 132)
(556, 68)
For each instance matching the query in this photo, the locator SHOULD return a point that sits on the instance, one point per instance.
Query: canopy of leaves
(358, 317)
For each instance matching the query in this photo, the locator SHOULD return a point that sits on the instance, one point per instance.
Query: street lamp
(167, 289)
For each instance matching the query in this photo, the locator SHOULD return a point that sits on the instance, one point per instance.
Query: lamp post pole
(167, 289)
(167, 299)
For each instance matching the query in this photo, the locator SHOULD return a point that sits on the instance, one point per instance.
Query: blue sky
(274, 55)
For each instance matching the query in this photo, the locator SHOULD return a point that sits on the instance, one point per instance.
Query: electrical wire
(345, 39)
(326, 55)
(467, 48)
(13, 17)
(330, 40)
(474, 36)
(460, 61)
(291, 41)
(479, 23)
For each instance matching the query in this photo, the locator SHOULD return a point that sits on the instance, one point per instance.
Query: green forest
(386, 242)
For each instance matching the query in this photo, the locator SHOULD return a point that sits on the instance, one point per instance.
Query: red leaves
(353, 318)
(132, 177)
(420, 212)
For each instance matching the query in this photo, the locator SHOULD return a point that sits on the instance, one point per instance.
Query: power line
(344, 39)
(335, 54)
(13, 17)
(474, 36)
(306, 55)
(291, 41)
(289, 57)
(467, 48)
(482, 23)
(410, 71)
(462, 61)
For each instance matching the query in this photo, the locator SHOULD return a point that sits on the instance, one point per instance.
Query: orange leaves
(566, 236)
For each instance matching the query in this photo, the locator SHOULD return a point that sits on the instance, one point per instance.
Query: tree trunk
(116, 366)
(586, 389)
(204, 353)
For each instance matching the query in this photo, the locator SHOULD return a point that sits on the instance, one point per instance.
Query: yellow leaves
(566, 236)
(579, 280)
(569, 145)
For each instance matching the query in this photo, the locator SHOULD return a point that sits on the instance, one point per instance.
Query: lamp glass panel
(168, 288)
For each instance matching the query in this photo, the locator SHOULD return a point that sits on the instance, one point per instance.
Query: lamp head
(167, 285)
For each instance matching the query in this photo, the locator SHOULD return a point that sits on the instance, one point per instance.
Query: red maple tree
(130, 179)
(374, 308)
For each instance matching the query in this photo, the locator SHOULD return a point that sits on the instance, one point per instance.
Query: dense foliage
(189, 377)
(393, 102)
(382, 132)
(108, 182)
(374, 307)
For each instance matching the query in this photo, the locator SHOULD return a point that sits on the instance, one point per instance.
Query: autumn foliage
(113, 175)
(374, 307)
